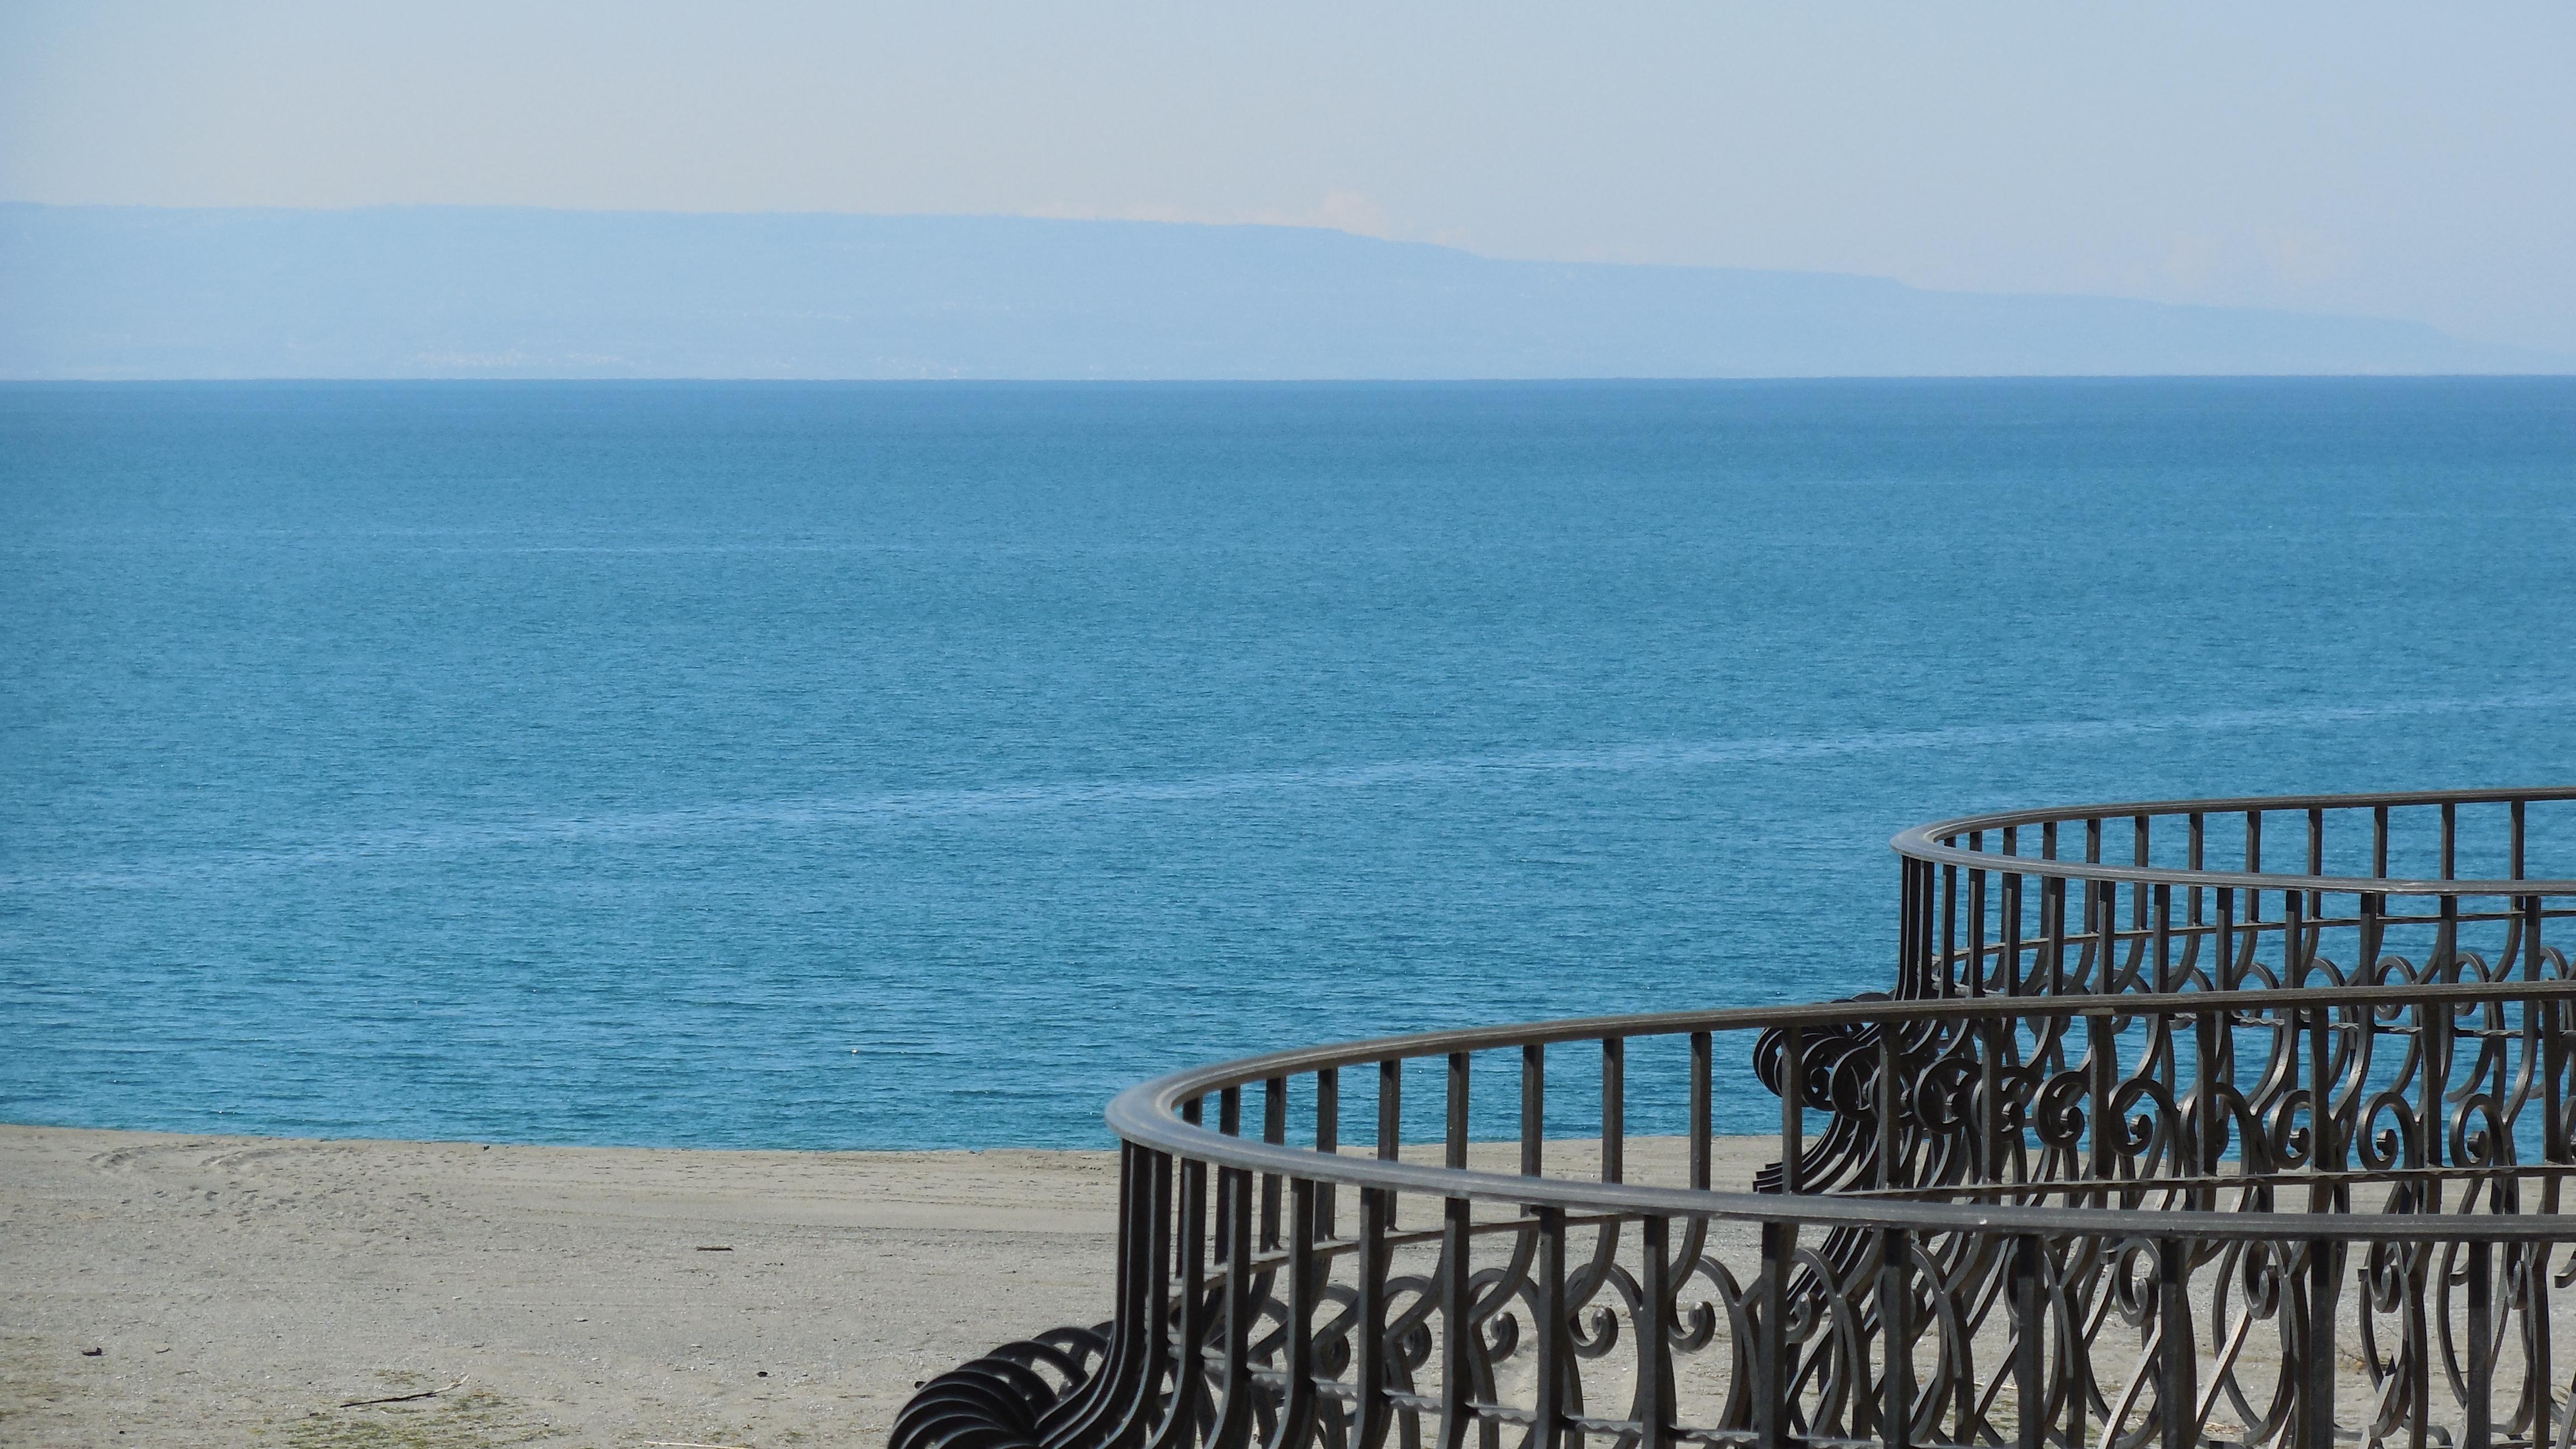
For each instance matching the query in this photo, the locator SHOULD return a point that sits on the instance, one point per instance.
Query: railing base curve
(998, 1401)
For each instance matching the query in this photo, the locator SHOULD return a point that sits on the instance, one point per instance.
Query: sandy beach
(245, 1291)
(239, 1291)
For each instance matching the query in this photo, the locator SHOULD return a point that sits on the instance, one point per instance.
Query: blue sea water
(915, 765)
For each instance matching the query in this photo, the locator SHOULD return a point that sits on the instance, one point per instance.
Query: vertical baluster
(2323, 1152)
(2094, 975)
(2198, 860)
(1456, 1138)
(2052, 891)
(1771, 1408)
(2537, 1324)
(1305, 1281)
(2316, 860)
(1950, 931)
(1455, 1332)
(2294, 955)
(2223, 931)
(2437, 1020)
(2555, 1128)
(1926, 927)
(2481, 1346)
(2177, 1383)
(1328, 1140)
(1896, 1333)
(1157, 1302)
(1234, 1422)
(1614, 1109)
(1890, 1105)
(2011, 953)
(1976, 933)
(1111, 1388)
(2139, 857)
(1390, 1110)
(1377, 1219)
(2030, 1341)
(2253, 866)
(1555, 1337)
(2163, 936)
(1655, 1334)
(1533, 1108)
(1895, 1262)
(2052, 907)
(1793, 1113)
(1702, 1108)
(2104, 1050)
(1180, 1418)
(1908, 968)
(2317, 1372)
(2217, 1041)
(1274, 1130)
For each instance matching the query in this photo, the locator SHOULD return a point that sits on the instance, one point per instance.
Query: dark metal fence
(2154, 1142)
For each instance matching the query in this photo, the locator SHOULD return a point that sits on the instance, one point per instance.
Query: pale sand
(241, 1289)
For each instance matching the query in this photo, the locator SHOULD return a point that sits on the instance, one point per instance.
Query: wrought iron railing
(2153, 1142)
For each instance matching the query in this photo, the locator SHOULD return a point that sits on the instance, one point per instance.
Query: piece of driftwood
(405, 1398)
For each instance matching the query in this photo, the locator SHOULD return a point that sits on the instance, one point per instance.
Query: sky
(2397, 161)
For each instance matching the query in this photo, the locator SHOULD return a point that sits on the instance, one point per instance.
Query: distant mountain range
(490, 292)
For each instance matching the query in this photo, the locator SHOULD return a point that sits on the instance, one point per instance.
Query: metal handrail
(1149, 1115)
(1930, 844)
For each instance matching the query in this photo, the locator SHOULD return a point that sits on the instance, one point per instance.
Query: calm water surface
(916, 765)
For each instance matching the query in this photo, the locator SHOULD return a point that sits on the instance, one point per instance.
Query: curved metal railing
(2151, 1142)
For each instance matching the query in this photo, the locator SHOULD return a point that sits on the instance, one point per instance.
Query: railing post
(1233, 1426)
(1455, 1330)
(1274, 1130)
(2316, 1399)
(1793, 1109)
(2481, 1346)
(1771, 1348)
(1555, 1342)
(1328, 1141)
(1533, 1109)
(1896, 1336)
(1655, 1335)
(1614, 1109)
(2177, 1382)
(1305, 1279)
(1702, 1108)
(2030, 1344)
(1189, 1366)
(1455, 1241)
(1372, 1416)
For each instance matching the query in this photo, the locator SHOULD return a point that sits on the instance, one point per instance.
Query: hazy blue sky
(2403, 161)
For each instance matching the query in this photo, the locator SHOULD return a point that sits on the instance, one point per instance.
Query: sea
(915, 765)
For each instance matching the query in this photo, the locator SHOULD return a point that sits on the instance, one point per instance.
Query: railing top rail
(1148, 1115)
(1931, 843)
